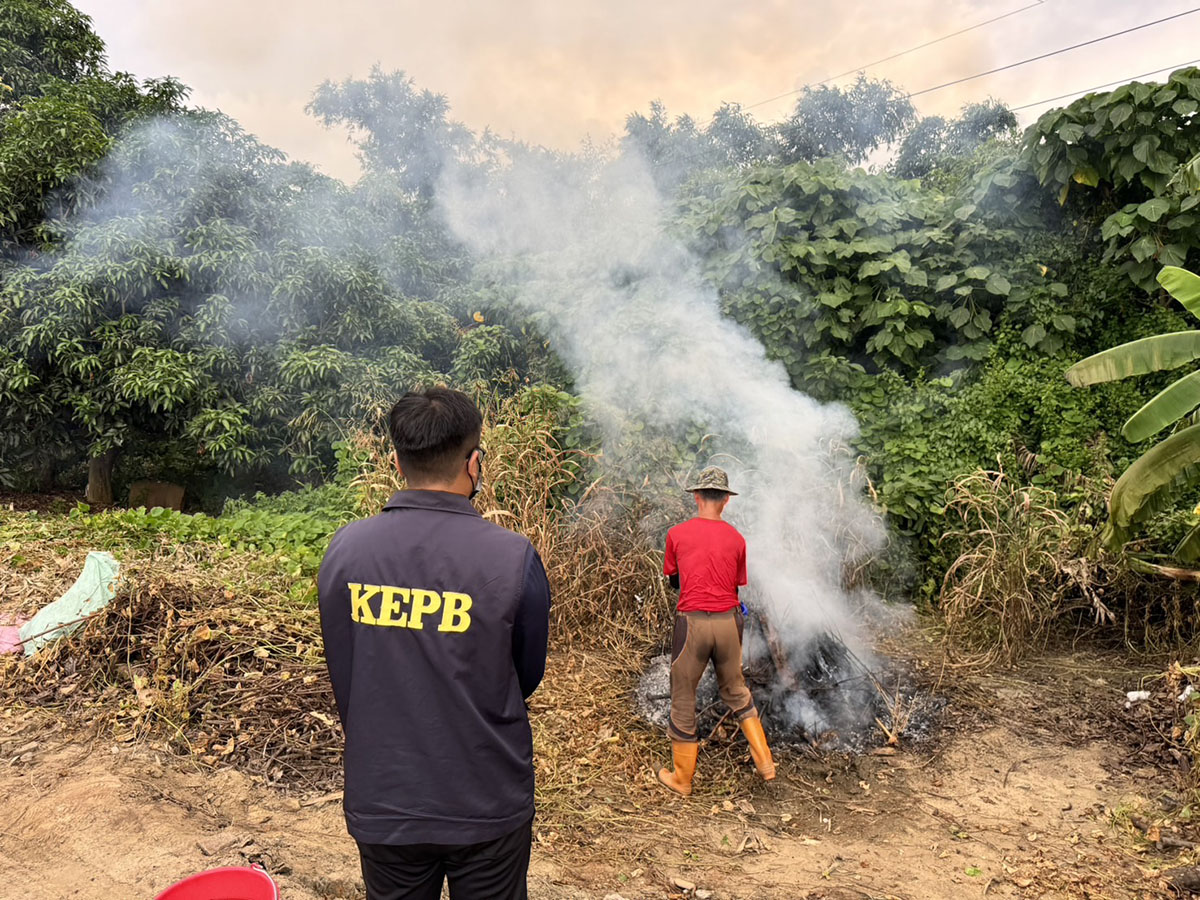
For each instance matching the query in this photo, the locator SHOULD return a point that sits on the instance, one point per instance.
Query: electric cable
(1013, 65)
(944, 37)
(1097, 87)
(1097, 40)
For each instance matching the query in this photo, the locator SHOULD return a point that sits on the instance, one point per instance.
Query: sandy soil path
(1014, 800)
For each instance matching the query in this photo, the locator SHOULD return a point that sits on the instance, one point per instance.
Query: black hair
(433, 432)
(712, 494)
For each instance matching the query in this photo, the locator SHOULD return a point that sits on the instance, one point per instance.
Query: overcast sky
(555, 71)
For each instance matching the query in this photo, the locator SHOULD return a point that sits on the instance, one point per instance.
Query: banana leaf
(1183, 285)
(1188, 550)
(1152, 354)
(1153, 482)
(1167, 407)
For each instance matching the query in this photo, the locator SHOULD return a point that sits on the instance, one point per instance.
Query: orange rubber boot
(684, 754)
(759, 751)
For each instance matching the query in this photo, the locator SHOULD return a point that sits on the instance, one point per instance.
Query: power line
(938, 87)
(1014, 65)
(1087, 90)
(884, 59)
(1097, 87)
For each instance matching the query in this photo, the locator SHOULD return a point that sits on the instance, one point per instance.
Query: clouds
(552, 72)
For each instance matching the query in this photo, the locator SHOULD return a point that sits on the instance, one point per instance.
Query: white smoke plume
(624, 304)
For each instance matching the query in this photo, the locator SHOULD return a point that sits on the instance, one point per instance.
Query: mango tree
(849, 122)
(43, 41)
(60, 111)
(207, 312)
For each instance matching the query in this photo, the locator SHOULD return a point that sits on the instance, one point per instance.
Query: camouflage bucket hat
(711, 479)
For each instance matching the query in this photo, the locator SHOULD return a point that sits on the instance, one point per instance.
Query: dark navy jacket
(435, 625)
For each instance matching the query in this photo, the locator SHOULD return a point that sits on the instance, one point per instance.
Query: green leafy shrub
(295, 527)
(1114, 155)
(838, 271)
(1015, 411)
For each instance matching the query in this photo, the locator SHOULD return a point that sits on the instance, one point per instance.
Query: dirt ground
(1022, 794)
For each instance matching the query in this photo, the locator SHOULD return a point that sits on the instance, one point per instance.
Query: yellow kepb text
(401, 607)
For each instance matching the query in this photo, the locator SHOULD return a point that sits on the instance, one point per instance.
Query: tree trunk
(99, 486)
(46, 472)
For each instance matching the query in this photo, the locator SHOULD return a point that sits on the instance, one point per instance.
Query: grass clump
(1025, 568)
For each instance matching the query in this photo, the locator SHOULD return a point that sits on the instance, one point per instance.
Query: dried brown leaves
(204, 649)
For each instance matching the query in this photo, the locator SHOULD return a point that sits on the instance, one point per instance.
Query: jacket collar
(442, 501)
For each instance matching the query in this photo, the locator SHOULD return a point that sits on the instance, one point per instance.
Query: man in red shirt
(706, 561)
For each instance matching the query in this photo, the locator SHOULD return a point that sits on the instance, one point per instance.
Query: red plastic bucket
(231, 883)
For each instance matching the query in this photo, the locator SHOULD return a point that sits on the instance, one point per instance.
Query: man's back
(435, 631)
(709, 555)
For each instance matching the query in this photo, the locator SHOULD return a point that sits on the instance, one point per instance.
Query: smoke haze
(625, 306)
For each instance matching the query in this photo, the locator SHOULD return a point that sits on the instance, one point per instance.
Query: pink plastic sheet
(10, 639)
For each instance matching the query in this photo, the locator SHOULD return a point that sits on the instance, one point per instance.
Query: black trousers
(493, 870)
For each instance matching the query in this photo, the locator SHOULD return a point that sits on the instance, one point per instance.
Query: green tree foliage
(837, 270)
(399, 129)
(1114, 155)
(944, 311)
(48, 141)
(60, 110)
(848, 122)
(935, 143)
(676, 150)
(214, 306)
(178, 300)
(44, 41)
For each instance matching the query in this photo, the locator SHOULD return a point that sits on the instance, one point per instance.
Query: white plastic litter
(88, 595)
(1132, 697)
(1187, 692)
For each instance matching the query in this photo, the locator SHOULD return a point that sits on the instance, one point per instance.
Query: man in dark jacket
(435, 624)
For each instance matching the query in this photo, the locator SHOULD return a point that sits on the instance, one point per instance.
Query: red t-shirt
(709, 556)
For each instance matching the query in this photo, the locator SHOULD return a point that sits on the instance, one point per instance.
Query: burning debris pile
(822, 696)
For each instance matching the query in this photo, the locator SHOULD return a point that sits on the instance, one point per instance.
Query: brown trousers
(699, 637)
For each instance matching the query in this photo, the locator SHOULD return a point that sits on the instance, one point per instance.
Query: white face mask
(476, 483)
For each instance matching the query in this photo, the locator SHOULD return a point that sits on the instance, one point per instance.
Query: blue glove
(745, 609)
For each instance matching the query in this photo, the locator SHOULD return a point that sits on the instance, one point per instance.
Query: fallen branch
(778, 654)
(1175, 573)
(1161, 840)
(1186, 878)
(720, 722)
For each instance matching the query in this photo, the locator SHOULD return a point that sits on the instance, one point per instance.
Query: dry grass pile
(1169, 718)
(603, 564)
(1019, 569)
(207, 651)
(596, 760)
(201, 649)
(204, 653)
(1024, 571)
